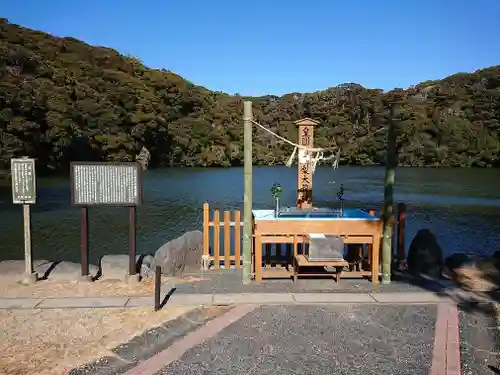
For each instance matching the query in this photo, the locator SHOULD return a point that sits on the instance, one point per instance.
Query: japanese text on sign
(106, 183)
(305, 139)
(23, 181)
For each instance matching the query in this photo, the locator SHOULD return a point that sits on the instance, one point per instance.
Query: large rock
(69, 271)
(181, 254)
(15, 268)
(425, 255)
(454, 261)
(496, 259)
(478, 274)
(59, 271)
(116, 266)
(474, 273)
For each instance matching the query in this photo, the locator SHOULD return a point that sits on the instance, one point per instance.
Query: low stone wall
(175, 257)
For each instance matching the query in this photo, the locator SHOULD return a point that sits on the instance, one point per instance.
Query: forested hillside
(63, 100)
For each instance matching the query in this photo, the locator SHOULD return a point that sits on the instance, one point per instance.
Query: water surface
(462, 206)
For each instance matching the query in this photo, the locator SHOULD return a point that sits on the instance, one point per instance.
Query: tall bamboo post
(247, 211)
(387, 215)
(306, 139)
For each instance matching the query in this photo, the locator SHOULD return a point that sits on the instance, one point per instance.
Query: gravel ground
(480, 339)
(46, 342)
(318, 340)
(128, 355)
(229, 281)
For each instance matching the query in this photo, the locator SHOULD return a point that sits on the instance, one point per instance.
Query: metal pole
(85, 242)
(390, 166)
(132, 239)
(247, 211)
(157, 287)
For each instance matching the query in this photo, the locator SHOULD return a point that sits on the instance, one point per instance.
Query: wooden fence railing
(231, 228)
(231, 255)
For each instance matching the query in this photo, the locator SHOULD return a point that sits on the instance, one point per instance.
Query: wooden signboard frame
(111, 184)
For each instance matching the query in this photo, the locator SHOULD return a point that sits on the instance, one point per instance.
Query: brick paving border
(446, 353)
(177, 350)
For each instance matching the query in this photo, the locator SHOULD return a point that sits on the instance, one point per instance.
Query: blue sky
(261, 47)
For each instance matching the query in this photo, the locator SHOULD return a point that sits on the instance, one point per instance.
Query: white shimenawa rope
(306, 151)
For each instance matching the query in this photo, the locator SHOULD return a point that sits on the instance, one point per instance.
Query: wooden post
(84, 240)
(227, 239)
(305, 138)
(132, 223)
(30, 275)
(206, 229)
(237, 239)
(216, 239)
(247, 211)
(157, 288)
(267, 250)
(401, 235)
(388, 197)
(278, 255)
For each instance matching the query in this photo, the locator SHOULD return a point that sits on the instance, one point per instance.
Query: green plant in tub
(340, 196)
(276, 191)
(340, 193)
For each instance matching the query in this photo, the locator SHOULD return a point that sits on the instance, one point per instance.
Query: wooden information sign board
(111, 184)
(23, 181)
(115, 184)
(23, 176)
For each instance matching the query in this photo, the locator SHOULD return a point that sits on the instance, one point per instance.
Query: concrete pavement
(225, 299)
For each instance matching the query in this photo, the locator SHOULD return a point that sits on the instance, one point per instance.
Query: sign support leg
(133, 276)
(30, 276)
(85, 243)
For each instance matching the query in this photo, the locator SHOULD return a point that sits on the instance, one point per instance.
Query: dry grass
(53, 289)
(47, 342)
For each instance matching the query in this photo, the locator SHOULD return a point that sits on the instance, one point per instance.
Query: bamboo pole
(247, 212)
(387, 214)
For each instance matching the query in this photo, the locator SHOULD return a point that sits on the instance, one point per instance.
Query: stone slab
(418, 298)
(83, 302)
(141, 301)
(252, 298)
(333, 298)
(19, 303)
(189, 299)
